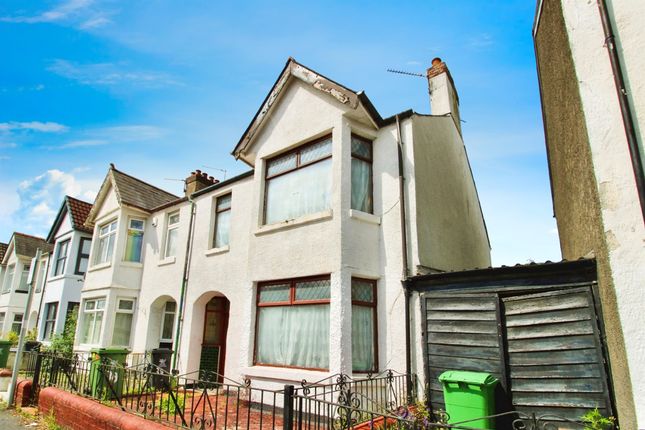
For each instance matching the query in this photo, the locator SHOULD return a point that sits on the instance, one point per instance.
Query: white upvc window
(123, 322)
(24, 275)
(168, 321)
(40, 281)
(222, 221)
(134, 244)
(61, 258)
(172, 233)
(8, 280)
(105, 245)
(93, 310)
(16, 326)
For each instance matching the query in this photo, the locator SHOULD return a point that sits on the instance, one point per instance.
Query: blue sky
(161, 88)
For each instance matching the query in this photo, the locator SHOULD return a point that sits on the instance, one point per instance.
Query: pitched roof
(78, 211)
(321, 83)
(26, 244)
(130, 191)
(3, 249)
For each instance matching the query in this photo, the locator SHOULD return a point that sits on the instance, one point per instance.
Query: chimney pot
(197, 181)
(436, 61)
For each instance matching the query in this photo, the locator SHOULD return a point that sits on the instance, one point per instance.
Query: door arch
(213, 354)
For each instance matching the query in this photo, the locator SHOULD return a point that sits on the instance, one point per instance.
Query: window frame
(24, 274)
(374, 306)
(165, 312)
(3, 317)
(292, 302)
(84, 313)
(60, 262)
(21, 322)
(127, 238)
(217, 217)
(169, 228)
(40, 276)
(106, 236)
(48, 334)
(298, 150)
(80, 256)
(370, 161)
(118, 310)
(10, 274)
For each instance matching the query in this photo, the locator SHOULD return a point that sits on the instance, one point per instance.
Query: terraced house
(292, 270)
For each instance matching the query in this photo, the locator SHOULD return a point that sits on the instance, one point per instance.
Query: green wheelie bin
(5, 346)
(469, 395)
(106, 372)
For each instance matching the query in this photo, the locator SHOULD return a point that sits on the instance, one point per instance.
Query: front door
(211, 364)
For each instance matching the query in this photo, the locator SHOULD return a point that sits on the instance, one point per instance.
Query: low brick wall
(23, 392)
(79, 413)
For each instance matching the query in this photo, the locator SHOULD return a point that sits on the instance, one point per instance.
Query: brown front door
(211, 364)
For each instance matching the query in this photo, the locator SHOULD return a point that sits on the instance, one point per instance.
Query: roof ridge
(67, 196)
(17, 233)
(143, 182)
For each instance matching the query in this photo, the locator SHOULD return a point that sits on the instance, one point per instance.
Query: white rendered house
(16, 263)
(296, 267)
(61, 294)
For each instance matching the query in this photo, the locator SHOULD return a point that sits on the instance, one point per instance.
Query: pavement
(10, 421)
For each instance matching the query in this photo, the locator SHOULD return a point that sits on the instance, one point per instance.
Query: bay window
(61, 258)
(105, 247)
(92, 321)
(134, 243)
(292, 326)
(362, 199)
(24, 275)
(299, 182)
(40, 281)
(16, 326)
(8, 280)
(83, 255)
(172, 233)
(123, 322)
(222, 221)
(364, 337)
(50, 320)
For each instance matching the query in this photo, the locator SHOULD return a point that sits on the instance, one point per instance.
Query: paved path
(9, 421)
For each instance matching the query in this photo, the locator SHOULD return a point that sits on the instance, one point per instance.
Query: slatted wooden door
(462, 332)
(555, 358)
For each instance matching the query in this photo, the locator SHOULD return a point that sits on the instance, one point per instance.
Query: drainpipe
(404, 251)
(625, 108)
(184, 284)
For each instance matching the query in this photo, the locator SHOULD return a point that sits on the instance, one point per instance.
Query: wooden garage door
(461, 333)
(555, 358)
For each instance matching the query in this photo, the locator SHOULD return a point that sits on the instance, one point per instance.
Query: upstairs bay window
(22, 286)
(222, 221)
(61, 258)
(134, 244)
(292, 327)
(172, 233)
(299, 182)
(8, 279)
(83, 255)
(362, 199)
(105, 246)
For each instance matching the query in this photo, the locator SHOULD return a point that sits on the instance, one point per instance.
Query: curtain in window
(222, 228)
(294, 336)
(361, 189)
(92, 322)
(362, 338)
(133, 246)
(301, 192)
(122, 327)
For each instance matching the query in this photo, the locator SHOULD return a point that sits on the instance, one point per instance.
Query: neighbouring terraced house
(292, 270)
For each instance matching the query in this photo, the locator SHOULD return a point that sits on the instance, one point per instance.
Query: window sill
(99, 267)
(166, 261)
(365, 217)
(132, 264)
(284, 373)
(217, 251)
(304, 220)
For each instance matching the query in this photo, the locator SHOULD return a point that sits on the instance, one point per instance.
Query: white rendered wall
(620, 210)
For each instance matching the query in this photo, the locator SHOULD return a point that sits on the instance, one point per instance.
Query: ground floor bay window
(364, 336)
(92, 321)
(292, 326)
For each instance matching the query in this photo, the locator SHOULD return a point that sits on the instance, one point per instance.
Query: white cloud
(83, 143)
(5, 157)
(43, 127)
(480, 41)
(40, 198)
(83, 13)
(7, 145)
(111, 74)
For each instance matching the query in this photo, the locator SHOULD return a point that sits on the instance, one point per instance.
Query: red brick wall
(23, 392)
(79, 413)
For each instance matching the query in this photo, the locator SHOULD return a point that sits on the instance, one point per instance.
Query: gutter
(625, 107)
(404, 256)
(184, 285)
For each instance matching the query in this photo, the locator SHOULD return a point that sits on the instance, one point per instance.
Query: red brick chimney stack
(443, 94)
(197, 181)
